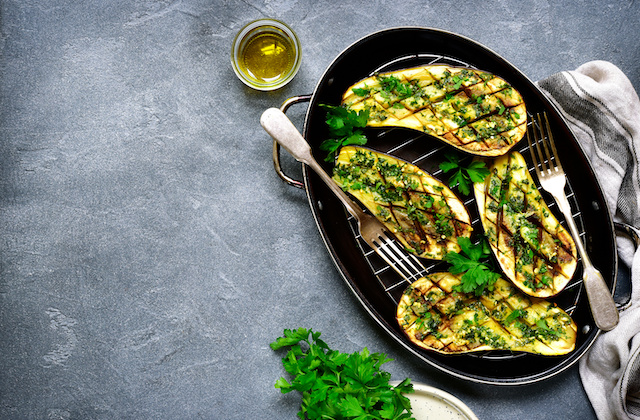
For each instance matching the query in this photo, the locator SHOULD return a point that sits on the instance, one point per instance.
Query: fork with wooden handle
(372, 231)
(553, 179)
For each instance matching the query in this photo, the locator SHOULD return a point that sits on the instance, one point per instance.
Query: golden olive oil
(267, 57)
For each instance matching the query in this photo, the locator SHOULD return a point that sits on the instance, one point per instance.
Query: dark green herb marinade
(532, 247)
(437, 315)
(424, 214)
(471, 110)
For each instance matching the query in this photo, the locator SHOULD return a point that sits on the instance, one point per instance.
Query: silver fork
(553, 179)
(372, 231)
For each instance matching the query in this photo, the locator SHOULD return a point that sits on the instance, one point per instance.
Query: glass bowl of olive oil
(266, 54)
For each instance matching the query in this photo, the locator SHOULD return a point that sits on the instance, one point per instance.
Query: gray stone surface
(149, 253)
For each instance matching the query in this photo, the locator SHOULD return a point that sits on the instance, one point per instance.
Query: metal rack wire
(404, 144)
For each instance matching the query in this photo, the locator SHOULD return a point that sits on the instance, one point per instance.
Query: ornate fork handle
(372, 231)
(276, 123)
(603, 308)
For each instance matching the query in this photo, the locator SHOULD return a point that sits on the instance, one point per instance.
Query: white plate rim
(428, 392)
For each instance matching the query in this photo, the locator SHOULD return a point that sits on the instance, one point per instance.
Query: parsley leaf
(345, 129)
(517, 313)
(477, 171)
(462, 176)
(361, 91)
(547, 332)
(337, 385)
(477, 276)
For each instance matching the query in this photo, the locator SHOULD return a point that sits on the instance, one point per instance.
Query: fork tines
(544, 159)
(408, 266)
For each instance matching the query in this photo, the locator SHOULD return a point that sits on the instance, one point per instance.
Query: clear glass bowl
(266, 54)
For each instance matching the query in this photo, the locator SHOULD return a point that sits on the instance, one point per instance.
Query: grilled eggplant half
(472, 110)
(422, 212)
(534, 250)
(437, 317)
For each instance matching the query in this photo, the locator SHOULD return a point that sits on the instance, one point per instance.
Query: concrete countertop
(149, 253)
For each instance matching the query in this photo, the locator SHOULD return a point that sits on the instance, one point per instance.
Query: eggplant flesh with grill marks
(472, 110)
(534, 250)
(436, 317)
(422, 213)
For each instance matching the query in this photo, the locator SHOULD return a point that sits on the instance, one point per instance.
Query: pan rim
(521, 380)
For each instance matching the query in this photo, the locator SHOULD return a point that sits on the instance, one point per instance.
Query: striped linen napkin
(603, 110)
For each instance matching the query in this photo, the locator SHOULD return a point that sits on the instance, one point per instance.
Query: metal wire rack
(426, 153)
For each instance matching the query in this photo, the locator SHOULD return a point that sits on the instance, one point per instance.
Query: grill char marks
(436, 317)
(423, 213)
(472, 110)
(532, 247)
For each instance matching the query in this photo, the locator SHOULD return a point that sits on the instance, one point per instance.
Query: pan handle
(276, 146)
(634, 235)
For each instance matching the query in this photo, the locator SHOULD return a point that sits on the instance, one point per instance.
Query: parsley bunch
(337, 385)
(462, 176)
(345, 128)
(477, 276)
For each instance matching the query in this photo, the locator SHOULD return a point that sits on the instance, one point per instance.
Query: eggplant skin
(423, 214)
(471, 110)
(436, 317)
(533, 249)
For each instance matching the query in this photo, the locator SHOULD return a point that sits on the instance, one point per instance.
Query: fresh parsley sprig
(337, 385)
(478, 275)
(463, 176)
(345, 128)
